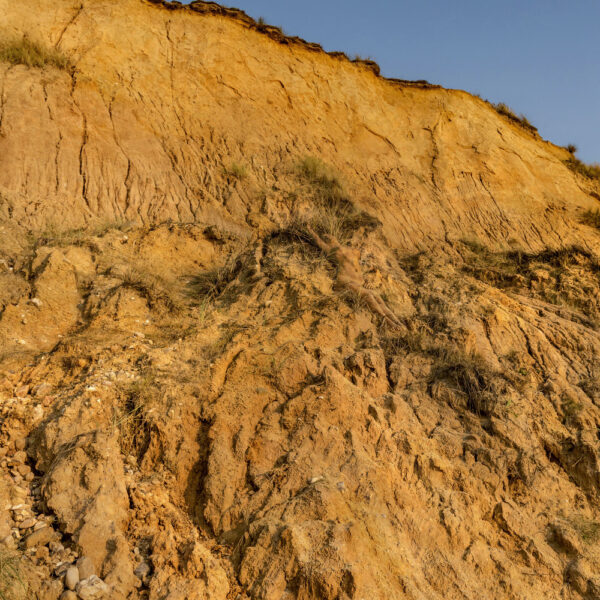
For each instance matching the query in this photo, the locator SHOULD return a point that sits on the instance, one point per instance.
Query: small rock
(21, 443)
(72, 578)
(24, 470)
(36, 302)
(21, 392)
(86, 567)
(42, 390)
(51, 590)
(142, 570)
(37, 414)
(42, 553)
(61, 568)
(92, 588)
(41, 537)
(27, 523)
(316, 479)
(68, 595)
(19, 457)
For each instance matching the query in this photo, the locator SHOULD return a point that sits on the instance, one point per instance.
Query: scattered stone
(42, 553)
(72, 578)
(56, 547)
(51, 590)
(21, 392)
(86, 567)
(142, 570)
(37, 414)
(19, 457)
(92, 588)
(27, 523)
(21, 443)
(41, 537)
(24, 470)
(42, 390)
(68, 595)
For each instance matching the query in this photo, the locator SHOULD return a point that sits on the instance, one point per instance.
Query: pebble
(142, 570)
(21, 443)
(86, 567)
(71, 578)
(41, 537)
(24, 470)
(92, 588)
(68, 595)
(19, 457)
(27, 523)
(37, 414)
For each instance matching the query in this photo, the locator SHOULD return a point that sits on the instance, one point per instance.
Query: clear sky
(541, 57)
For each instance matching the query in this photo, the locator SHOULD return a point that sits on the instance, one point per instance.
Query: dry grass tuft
(587, 529)
(591, 218)
(508, 112)
(578, 166)
(333, 213)
(13, 585)
(236, 171)
(210, 284)
(31, 54)
(54, 235)
(157, 291)
(132, 419)
(470, 376)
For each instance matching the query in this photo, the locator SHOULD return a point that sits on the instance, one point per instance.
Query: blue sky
(541, 57)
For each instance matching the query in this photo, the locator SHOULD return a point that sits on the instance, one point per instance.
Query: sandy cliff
(196, 400)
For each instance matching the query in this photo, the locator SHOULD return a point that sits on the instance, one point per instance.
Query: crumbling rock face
(193, 407)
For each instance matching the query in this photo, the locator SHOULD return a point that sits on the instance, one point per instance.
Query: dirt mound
(274, 327)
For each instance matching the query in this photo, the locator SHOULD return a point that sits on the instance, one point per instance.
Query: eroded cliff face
(191, 396)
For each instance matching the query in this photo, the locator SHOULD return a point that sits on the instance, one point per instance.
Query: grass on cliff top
(508, 112)
(578, 166)
(26, 52)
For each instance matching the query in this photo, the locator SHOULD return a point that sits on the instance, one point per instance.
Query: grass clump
(26, 52)
(13, 585)
(132, 419)
(472, 377)
(212, 283)
(468, 374)
(236, 170)
(227, 281)
(155, 289)
(509, 113)
(333, 212)
(591, 218)
(54, 235)
(578, 166)
(587, 529)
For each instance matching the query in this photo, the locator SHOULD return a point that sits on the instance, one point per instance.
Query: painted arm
(323, 245)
